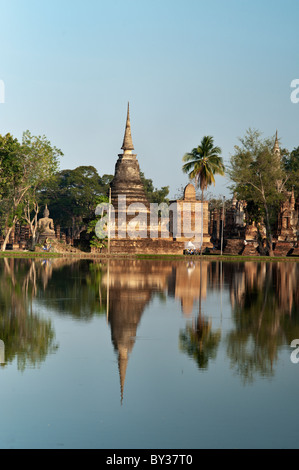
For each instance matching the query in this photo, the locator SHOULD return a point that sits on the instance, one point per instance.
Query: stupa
(126, 186)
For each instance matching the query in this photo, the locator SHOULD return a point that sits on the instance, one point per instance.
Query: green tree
(23, 168)
(11, 173)
(153, 194)
(72, 197)
(203, 163)
(291, 167)
(91, 229)
(259, 179)
(45, 162)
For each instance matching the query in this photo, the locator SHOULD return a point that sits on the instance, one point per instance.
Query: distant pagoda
(276, 148)
(127, 182)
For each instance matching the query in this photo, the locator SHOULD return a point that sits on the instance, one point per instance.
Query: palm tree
(203, 163)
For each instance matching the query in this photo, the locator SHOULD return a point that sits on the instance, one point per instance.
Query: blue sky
(189, 68)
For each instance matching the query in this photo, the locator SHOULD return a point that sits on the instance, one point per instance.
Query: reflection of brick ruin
(188, 284)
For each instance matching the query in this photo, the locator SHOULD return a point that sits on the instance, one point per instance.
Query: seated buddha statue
(46, 226)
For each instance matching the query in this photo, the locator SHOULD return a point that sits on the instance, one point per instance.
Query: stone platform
(147, 246)
(295, 251)
(283, 248)
(233, 247)
(250, 250)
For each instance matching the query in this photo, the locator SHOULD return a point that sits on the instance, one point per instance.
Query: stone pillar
(58, 232)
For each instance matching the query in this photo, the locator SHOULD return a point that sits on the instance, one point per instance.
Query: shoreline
(232, 258)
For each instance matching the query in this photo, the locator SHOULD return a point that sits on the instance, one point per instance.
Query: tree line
(30, 179)
(259, 175)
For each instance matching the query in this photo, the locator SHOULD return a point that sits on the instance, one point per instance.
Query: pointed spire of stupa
(122, 367)
(276, 148)
(128, 142)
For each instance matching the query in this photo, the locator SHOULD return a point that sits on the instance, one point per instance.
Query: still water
(148, 354)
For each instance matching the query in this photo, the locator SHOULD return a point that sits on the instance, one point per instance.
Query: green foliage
(24, 167)
(256, 170)
(11, 171)
(153, 194)
(94, 240)
(291, 167)
(72, 196)
(203, 163)
(42, 160)
(259, 178)
(217, 202)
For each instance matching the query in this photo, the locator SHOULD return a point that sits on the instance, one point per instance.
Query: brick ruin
(240, 237)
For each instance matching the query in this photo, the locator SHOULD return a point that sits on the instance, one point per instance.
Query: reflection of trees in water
(264, 299)
(266, 316)
(66, 285)
(26, 337)
(73, 287)
(200, 342)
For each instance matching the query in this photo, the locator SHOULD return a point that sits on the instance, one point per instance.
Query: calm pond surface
(148, 354)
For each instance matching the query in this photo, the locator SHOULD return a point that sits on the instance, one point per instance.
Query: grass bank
(230, 258)
(28, 254)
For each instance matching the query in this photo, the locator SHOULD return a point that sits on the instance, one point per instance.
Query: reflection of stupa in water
(130, 287)
(125, 311)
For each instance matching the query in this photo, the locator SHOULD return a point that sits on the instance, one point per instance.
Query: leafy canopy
(203, 163)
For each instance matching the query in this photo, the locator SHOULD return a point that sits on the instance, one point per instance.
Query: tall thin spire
(276, 148)
(128, 142)
(122, 367)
